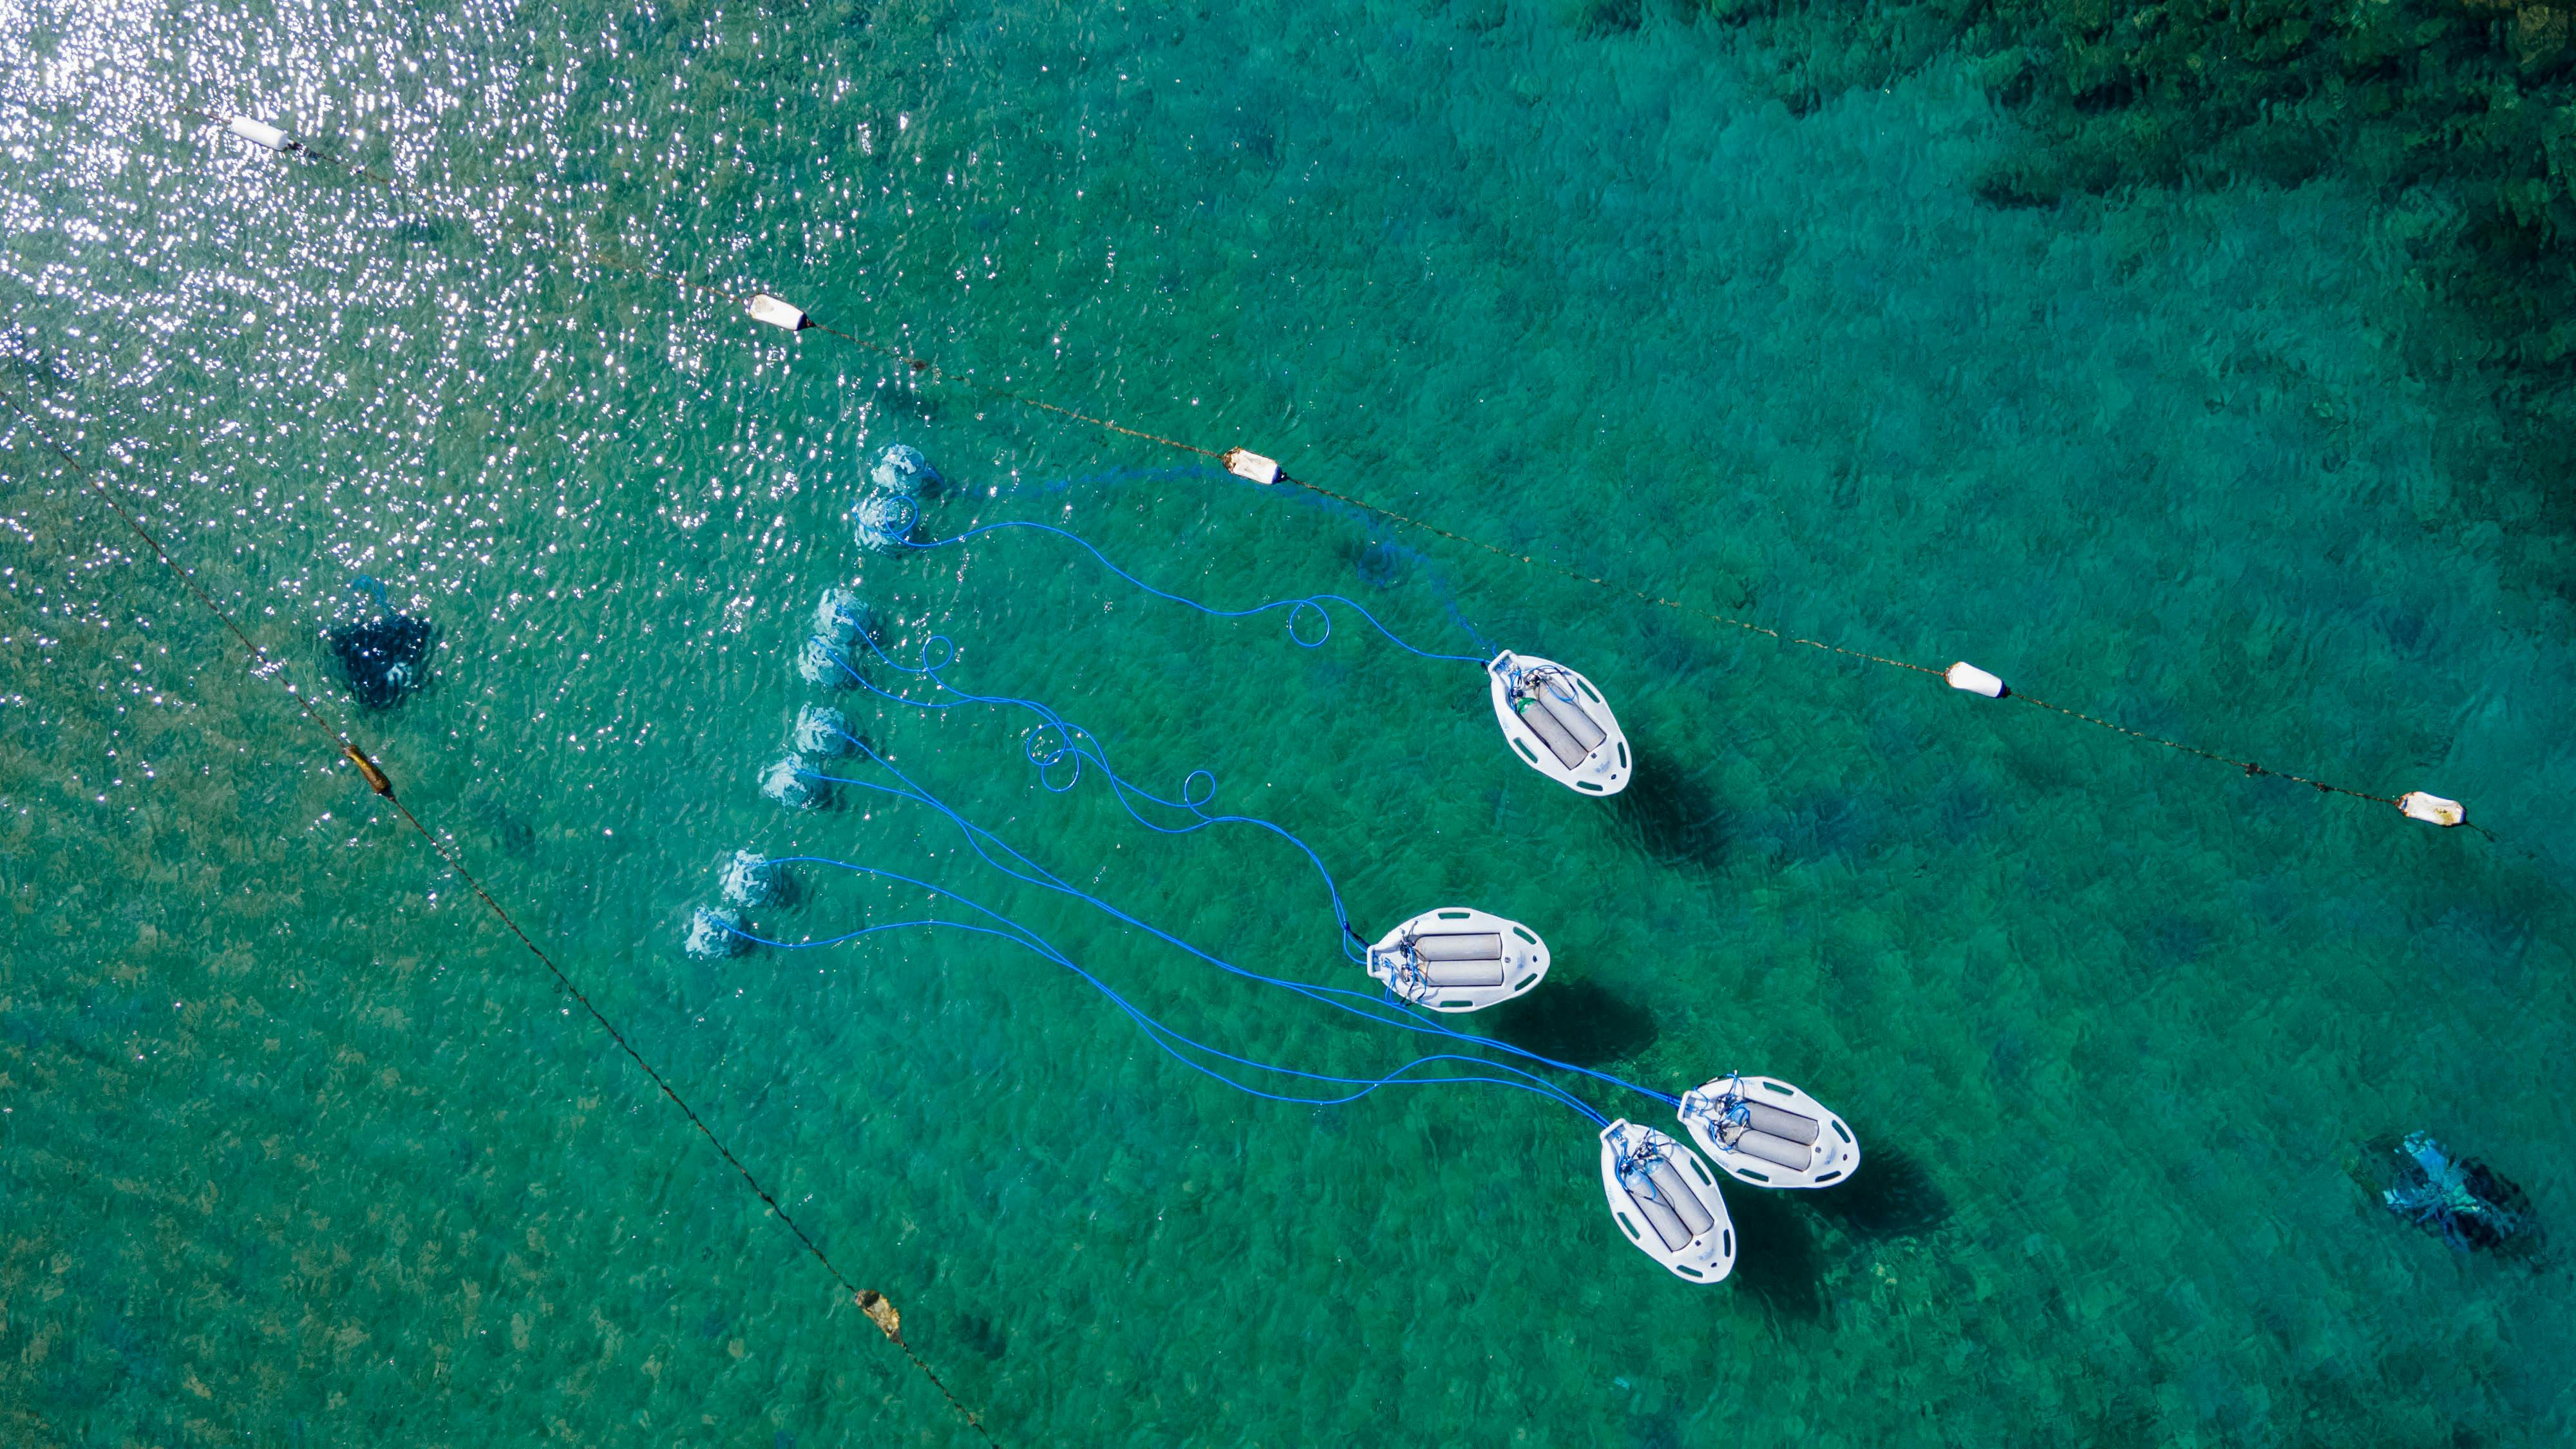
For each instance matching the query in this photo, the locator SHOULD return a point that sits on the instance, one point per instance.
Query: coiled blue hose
(1056, 742)
(1301, 607)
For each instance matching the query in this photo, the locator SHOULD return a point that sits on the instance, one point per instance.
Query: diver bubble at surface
(383, 659)
(820, 730)
(903, 470)
(788, 782)
(819, 663)
(750, 878)
(883, 522)
(712, 934)
(841, 618)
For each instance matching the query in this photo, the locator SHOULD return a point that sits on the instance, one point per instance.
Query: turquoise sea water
(299, 1149)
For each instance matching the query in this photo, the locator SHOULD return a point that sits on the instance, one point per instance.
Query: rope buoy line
(262, 665)
(2248, 766)
(763, 307)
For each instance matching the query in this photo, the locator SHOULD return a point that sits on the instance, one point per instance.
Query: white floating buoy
(2432, 809)
(711, 934)
(750, 880)
(821, 730)
(1245, 463)
(788, 782)
(1969, 677)
(261, 133)
(766, 308)
(1559, 723)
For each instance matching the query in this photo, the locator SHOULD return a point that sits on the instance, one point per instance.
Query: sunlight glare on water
(301, 1148)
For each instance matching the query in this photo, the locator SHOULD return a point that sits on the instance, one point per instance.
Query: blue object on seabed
(2458, 1200)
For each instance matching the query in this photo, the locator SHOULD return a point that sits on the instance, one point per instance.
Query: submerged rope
(925, 368)
(264, 666)
(2248, 766)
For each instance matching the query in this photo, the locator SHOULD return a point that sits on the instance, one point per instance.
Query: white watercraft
(1766, 1132)
(1559, 723)
(1666, 1202)
(1457, 959)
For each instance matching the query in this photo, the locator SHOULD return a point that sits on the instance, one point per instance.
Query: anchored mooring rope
(2248, 766)
(934, 373)
(1539, 563)
(262, 666)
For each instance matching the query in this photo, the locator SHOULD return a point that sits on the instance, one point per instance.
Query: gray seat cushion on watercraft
(1667, 1204)
(1554, 735)
(1787, 1125)
(1462, 973)
(1557, 696)
(1459, 946)
(1794, 1156)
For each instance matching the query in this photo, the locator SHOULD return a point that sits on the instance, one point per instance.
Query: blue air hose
(1079, 744)
(1382, 1010)
(1296, 607)
(1170, 1041)
(1202, 474)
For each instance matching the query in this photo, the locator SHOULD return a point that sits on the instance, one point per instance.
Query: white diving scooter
(1666, 1202)
(1559, 723)
(1457, 959)
(1766, 1132)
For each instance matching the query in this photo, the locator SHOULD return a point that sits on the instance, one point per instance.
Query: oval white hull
(1550, 715)
(1458, 959)
(1666, 1202)
(1803, 1145)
